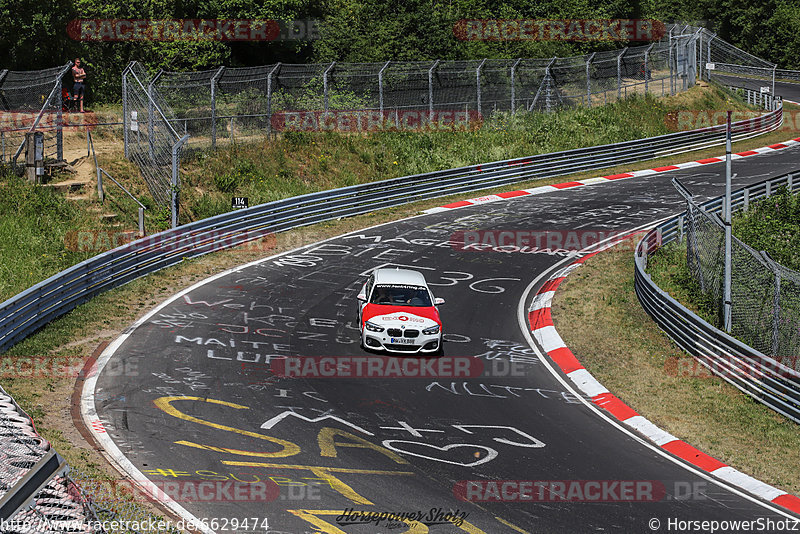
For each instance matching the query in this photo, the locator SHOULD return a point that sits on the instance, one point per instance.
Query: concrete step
(67, 186)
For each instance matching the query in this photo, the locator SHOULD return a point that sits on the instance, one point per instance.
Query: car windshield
(401, 295)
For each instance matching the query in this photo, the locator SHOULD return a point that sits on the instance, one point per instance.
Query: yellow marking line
(324, 473)
(511, 525)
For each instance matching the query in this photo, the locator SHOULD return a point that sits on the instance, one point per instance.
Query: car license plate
(401, 341)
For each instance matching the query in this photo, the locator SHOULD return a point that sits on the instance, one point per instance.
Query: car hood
(383, 315)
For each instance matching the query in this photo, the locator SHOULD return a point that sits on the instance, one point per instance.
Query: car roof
(399, 276)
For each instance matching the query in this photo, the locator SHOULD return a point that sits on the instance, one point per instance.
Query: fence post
(269, 97)
(125, 117)
(175, 182)
(547, 78)
(380, 87)
(59, 123)
(430, 89)
(478, 85)
(726, 287)
(619, 72)
(325, 85)
(708, 55)
(100, 193)
(213, 107)
(646, 67)
(513, 78)
(695, 54)
(776, 302)
(589, 81)
(150, 113)
(3, 142)
(671, 69)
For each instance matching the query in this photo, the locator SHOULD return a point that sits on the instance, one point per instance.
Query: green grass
(773, 225)
(34, 223)
(638, 363)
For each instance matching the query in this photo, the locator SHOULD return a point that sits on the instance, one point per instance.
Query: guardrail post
(380, 86)
(478, 86)
(619, 72)
(325, 85)
(175, 183)
(269, 97)
(213, 107)
(141, 222)
(430, 89)
(768, 188)
(746, 204)
(513, 79)
(589, 80)
(789, 179)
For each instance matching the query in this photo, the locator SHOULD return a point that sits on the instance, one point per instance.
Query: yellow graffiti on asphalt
(327, 444)
(324, 473)
(165, 404)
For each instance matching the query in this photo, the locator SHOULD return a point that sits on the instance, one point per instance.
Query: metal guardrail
(28, 311)
(763, 378)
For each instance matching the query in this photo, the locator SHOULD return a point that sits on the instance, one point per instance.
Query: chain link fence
(226, 104)
(151, 140)
(30, 101)
(765, 296)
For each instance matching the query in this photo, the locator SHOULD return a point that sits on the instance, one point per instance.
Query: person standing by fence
(78, 77)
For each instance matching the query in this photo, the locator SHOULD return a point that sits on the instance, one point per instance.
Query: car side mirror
(362, 297)
(438, 301)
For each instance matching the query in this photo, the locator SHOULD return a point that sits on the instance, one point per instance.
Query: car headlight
(372, 327)
(432, 330)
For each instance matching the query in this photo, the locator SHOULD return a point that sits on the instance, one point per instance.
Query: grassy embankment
(638, 362)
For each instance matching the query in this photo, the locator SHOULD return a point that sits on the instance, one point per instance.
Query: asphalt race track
(202, 402)
(789, 91)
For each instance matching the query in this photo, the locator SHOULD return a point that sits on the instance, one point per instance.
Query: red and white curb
(603, 179)
(544, 331)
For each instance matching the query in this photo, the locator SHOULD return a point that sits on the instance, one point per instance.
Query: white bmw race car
(397, 312)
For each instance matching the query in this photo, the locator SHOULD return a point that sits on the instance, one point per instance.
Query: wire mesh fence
(151, 140)
(31, 100)
(226, 104)
(765, 296)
